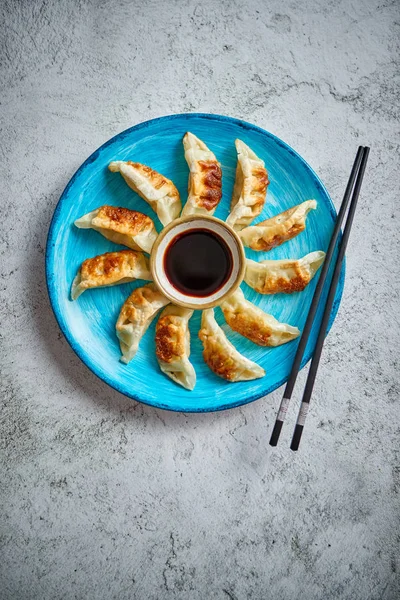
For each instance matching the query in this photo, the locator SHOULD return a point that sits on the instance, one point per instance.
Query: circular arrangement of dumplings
(137, 232)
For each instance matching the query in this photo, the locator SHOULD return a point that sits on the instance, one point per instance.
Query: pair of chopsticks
(352, 192)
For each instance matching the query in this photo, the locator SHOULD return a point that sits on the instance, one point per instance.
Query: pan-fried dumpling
(250, 187)
(286, 276)
(136, 314)
(110, 268)
(273, 232)
(221, 356)
(253, 323)
(122, 226)
(173, 345)
(156, 189)
(205, 185)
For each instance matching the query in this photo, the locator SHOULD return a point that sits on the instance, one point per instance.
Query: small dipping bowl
(178, 229)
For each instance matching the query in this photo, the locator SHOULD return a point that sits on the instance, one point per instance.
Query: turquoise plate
(89, 322)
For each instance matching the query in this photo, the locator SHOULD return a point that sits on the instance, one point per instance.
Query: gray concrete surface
(104, 498)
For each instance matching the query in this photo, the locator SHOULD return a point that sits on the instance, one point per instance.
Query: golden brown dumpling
(205, 178)
(157, 190)
(173, 345)
(221, 356)
(111, 268)
(136, 314)
(122, 226)
(250, 187)
(286, 276)
(254, 324)
(273, 232)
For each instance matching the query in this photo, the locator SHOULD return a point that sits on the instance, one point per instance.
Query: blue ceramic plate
(89, 323)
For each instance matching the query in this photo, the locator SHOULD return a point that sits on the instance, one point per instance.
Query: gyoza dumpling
(173, 345)
(122, 226)
(250, 188)
(253, 323)
(273, 232)
(110, 268)
(221, 356)
(136, 314)
(287, 276)
(156, 189)
(205, 185)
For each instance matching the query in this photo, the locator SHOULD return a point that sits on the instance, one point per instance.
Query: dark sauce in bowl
(198, 262)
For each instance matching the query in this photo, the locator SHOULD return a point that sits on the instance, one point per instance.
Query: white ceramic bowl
(183, 225)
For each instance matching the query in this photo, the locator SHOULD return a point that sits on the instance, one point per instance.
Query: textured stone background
(104, 498)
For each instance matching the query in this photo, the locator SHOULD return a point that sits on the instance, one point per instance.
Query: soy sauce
(198, 262)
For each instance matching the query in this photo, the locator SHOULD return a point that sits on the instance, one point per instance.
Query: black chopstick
(328, 307)
(314, 304)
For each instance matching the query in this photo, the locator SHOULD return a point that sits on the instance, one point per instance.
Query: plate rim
(50, 246)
